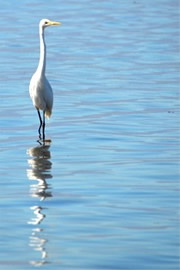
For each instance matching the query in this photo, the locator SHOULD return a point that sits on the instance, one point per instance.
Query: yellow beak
(54, 23)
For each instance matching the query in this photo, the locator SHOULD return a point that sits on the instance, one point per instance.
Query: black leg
(43, 125)
(40, 120)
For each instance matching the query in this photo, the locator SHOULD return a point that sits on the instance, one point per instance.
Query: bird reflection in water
(39, 171)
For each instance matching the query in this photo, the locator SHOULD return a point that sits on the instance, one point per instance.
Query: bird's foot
(45, 141)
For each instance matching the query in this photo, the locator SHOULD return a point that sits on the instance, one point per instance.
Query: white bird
(40, 90)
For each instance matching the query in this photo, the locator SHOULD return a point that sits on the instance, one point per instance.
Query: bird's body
(41, 94)
(40, 89)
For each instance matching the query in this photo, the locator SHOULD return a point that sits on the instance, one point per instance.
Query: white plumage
(41, 94)
(40, 89)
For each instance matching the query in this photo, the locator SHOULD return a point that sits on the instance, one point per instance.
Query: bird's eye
(46, 22)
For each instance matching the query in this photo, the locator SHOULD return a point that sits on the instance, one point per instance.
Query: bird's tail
(48, 113)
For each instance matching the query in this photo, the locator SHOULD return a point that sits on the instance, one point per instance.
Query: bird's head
(45, 23)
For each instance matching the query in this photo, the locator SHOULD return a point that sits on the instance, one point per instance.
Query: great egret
(40, 90)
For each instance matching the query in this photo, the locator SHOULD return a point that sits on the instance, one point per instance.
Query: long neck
(42, 60)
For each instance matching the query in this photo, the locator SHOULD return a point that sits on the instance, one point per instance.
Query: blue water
(103, 194)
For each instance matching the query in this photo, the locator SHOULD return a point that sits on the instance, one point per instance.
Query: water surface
(103, 194)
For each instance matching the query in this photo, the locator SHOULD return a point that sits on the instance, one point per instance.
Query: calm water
(104, 193)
